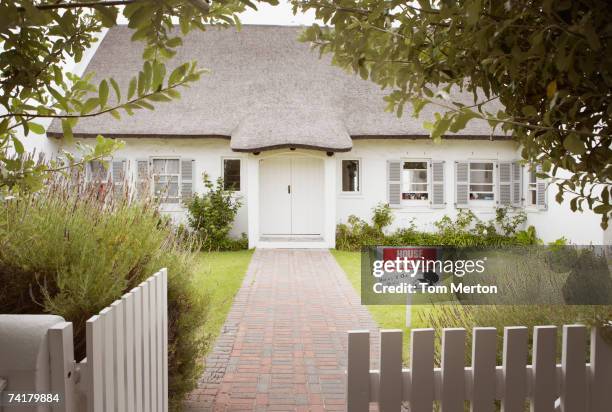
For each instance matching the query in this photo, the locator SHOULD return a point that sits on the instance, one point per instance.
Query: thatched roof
(266, 90)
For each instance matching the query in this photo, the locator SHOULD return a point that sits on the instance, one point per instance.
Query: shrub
(73, 251)
(212, 215)
(465, 230)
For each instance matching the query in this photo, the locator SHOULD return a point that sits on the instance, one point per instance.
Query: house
(306, 144)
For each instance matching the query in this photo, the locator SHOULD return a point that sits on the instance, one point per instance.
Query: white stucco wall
(208, 155)
(555, 222)
(551, 224)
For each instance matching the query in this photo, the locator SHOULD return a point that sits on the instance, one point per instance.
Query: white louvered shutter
(142, 178)
(437, 198)
(517, 184)
(118, 175)
(504, 183)
(187, 180)
(541, 200)
(394, 183)
(462, 183)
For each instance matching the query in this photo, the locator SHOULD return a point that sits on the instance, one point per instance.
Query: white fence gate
(126, 368)
(572, 386)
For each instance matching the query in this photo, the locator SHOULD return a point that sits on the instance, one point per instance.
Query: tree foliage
(548, 62)
(40, 38)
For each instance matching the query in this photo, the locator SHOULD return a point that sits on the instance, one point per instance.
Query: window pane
(231, 174)
(481, 166)
(481, 196)
(415, 165)
(350, 175)
(418, 188)
(532, 176)
(481, 177)
(97, 171)
(534, 197)
(481, 188)
(414, 196)
(418, 176)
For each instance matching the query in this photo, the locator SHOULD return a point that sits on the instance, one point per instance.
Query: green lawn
(220, 274)
(387, 316)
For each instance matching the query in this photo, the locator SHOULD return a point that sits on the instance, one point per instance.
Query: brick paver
(283, 345)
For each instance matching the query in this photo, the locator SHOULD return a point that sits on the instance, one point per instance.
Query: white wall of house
(552, 223)
(208, 155)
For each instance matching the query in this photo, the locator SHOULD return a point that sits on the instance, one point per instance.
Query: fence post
(574, 379)
(484, 359)
(601, 373)
(61, 351)
(544, 369)
(358, 371)
(515, 368)
(390, 387)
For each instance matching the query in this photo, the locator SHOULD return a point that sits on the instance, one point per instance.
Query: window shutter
(541, 200)
(118, 175)
(394, 183)
(142, 178)
(187, 180)
(517, 184)
(504, 183)
(462, 183)
(437, 199)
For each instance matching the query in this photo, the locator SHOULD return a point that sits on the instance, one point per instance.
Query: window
(166, 180)
(98, 172)
(350, 176)
(532, 188)
(415, 181)
(231, 174)
(481, 181)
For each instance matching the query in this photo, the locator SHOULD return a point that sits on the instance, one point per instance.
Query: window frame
(153, 175)
(241, 173)
(532, 189)
(415, 202)
(494, 184)
(359, 176)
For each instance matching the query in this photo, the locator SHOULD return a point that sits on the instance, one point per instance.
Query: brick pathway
(283, 345)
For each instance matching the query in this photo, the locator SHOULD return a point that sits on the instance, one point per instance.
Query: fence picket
(453, 369)
(515, 369)
(358, 371)
(94, 342)
(119, 345)
(422, 368)
(145, 344)
(128, 318)
(573, 380)
(165, 338)
(390, 392)
(484, 359)
(61, 351)
(153, 343)
(544, 369)
(159, 338)
(601, 373)
(107, 315)
(138, 350)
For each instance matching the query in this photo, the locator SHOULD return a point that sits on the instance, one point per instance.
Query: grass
(221, 275)
(387, 316)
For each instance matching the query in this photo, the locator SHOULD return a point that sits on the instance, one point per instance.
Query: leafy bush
(212, 215)
(465, 230)
(73, 251)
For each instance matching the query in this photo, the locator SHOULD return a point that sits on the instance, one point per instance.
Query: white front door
(291, 196)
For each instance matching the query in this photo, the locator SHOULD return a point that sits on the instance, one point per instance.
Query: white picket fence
(126, 368)
(572, 386)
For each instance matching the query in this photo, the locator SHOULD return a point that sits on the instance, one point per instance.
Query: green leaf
(574, 144)
(551, 89)
(17, 145)
(132, 88)
(103, 93)
(116, 88)
(90, 105)
(529, 111)
(67, 130)
(36, 128)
